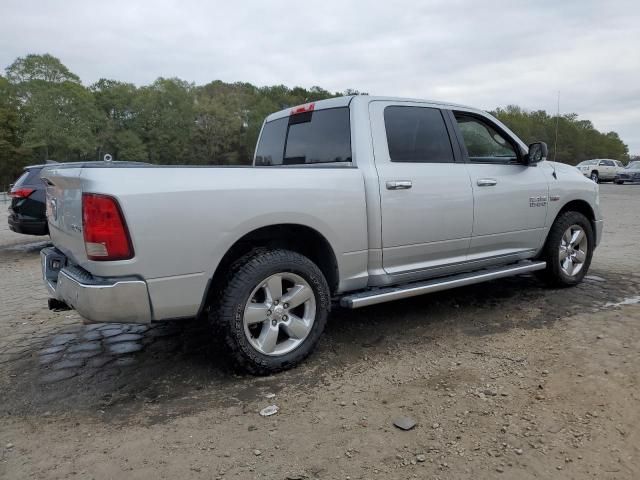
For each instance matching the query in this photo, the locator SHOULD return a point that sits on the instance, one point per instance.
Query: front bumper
(628, 177)
(97, 299)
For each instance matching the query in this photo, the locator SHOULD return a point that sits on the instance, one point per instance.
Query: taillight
(105, 232)
(21, 192)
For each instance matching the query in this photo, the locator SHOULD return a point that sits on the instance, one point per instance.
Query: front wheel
(568, 250)
(619, 182)
(273, 310)
(595, 177)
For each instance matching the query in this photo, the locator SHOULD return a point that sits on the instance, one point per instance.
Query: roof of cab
(337, 102)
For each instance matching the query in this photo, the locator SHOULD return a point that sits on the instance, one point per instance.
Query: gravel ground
(505, 379)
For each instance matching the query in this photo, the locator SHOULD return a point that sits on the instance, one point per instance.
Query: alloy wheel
(279, 314)
(573, 250)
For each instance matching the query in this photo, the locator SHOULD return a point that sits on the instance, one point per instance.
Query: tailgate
(64, 211)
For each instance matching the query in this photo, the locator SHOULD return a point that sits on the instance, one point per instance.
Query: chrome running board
(371, 297)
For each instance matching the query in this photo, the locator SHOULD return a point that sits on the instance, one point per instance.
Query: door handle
(399, 184)
(487, 182)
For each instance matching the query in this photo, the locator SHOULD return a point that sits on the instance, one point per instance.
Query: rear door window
(322, 136)
(417, 134)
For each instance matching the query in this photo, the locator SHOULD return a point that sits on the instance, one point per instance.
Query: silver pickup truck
(351, 201)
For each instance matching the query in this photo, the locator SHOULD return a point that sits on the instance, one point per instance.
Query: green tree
(46, 112)
(116, 102)
(13, 157)
(58, 117)
(219, 122)
(164, 120)
(60, 120)
(128, 146)
(39, 67)
(577, 140)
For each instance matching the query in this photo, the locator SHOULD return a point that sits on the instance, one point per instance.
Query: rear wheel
(273, 310)
(568, 250)
(595, 177)
(619, 182)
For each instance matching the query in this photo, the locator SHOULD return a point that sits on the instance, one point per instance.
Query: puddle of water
(627, 301)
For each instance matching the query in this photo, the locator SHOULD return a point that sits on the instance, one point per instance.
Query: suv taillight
(21, 192)
(105, 232)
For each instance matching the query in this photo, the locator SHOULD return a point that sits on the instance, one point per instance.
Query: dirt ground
(507, 379)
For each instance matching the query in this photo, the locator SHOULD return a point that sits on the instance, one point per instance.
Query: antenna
(555, 144)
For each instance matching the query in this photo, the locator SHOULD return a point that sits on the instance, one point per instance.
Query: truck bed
(182, 220)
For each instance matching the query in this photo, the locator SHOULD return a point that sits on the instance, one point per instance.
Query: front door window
(484, 143)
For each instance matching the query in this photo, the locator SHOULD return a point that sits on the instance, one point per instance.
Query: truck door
(510, 198)
(425, 191)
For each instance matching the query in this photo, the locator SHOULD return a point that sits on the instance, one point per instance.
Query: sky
(487, 53)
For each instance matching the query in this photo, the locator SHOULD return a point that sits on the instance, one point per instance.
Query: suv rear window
(22, 179)
(30, 177)
(322, 136)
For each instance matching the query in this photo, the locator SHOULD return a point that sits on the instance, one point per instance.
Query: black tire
(619, 182)
(595, 177)
(244, 276)
(554, 275)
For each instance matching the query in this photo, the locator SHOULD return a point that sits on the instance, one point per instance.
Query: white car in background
(600, 169)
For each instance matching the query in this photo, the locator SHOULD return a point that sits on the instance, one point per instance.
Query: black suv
(27, 213)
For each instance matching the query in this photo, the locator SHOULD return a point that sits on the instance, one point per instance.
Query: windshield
(587, 162)
(633, 165)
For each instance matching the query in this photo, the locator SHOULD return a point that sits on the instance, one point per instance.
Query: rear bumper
(34, 227)
(28, 216)
(97, 299)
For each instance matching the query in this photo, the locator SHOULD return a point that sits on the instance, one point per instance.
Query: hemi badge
(554, 198)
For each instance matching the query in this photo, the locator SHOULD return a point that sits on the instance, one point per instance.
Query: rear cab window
(310, 137)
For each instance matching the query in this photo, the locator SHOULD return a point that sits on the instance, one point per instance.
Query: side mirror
(537, 153)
